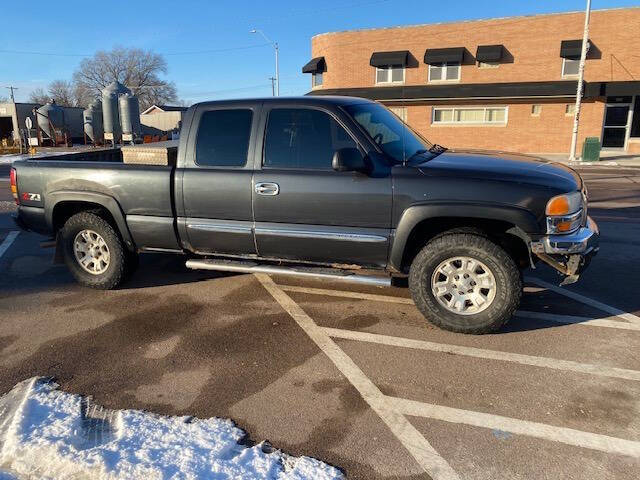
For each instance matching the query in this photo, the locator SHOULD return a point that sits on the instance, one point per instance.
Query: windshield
(394, 137)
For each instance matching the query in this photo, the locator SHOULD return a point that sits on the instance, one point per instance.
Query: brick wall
(534, 43)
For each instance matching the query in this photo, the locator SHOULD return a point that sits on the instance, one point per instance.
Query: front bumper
(569, 254)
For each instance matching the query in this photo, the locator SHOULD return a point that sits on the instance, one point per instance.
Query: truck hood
(501, 166)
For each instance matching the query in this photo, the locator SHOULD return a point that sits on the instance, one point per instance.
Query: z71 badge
(33, 197)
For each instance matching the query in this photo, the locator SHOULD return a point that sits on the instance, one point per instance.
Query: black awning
(489, 53)
(316, 65)
(614, 89)
(383, 59)
(444, 55)
(571, 49)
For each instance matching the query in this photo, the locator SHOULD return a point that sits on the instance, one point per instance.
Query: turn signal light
(13, 181)
(565, 204)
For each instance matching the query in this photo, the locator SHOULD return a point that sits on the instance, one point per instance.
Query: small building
(161, 118)
(500, 84)
(13, 116)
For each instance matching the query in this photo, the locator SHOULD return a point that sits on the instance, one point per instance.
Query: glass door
(616, 125)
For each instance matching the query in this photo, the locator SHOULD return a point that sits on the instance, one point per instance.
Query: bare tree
(38, 95)
(62, 92)
(4, 100)
(137, 69)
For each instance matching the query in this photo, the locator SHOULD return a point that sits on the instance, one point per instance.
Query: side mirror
(349, 160)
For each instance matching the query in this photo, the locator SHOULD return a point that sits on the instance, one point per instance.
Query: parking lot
(349, 374)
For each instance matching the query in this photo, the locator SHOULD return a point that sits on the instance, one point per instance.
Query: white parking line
(608, 322)
(531, 360)
(345, 294)
(587, 301)
(8, 241)
(409, 436)
(569, 436)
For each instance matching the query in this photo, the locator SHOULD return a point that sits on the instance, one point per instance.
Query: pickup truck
(327, 187)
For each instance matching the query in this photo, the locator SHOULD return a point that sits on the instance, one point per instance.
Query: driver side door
(305, 210)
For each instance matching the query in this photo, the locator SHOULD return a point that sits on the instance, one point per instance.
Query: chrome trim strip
(350, 237)
(220, 227)
(161, 250)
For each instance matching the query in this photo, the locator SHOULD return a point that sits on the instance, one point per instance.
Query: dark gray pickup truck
(329, 187)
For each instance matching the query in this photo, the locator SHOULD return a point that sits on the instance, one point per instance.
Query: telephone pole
(12, 88)
(583, 57)
(273, 86)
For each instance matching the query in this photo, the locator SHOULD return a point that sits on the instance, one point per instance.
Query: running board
(310, 272)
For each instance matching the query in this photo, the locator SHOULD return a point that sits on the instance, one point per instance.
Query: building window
(488, 64)
(316, 79)
(444, 72)
(570, 109)
(536, 110)
(570, 67)
(470, 115)
(401, 112)
(390, 74)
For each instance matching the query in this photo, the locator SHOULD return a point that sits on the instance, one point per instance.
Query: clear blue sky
(178, 28)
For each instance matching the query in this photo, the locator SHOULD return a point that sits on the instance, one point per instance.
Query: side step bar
(311, 272)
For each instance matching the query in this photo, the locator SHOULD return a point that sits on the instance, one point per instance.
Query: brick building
(500, 84)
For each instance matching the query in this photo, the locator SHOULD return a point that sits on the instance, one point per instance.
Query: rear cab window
(223, 138)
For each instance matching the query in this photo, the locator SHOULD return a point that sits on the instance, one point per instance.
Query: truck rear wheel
(93, 251)
(465, 283)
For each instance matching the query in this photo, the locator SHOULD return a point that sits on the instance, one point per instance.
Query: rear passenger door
(305, 210)
(216, 190)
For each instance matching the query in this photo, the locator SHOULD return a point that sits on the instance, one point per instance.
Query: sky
(210, 51)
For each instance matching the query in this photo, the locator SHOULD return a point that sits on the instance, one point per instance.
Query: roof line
(418, 25)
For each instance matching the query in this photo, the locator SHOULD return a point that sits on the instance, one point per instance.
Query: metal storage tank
(110, 116)
(50, 114)
(129, 116)
(92, 120)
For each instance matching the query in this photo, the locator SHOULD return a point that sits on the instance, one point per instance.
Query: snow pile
(48, 434)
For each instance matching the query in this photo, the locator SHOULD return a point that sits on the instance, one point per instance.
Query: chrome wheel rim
(91, 252)
(463, 285)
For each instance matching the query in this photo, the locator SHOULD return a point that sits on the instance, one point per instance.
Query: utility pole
(273, 92)
(583, 57)
(12, 88)
(277, 49)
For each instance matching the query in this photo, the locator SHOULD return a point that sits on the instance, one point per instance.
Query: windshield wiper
(415, 154)
(437, 149)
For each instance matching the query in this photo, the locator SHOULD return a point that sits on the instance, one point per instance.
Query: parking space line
(568, 436)
(530, 360)
(8, 241)
(607, 322)
(587, 301)
(407, 434)
(347, 294)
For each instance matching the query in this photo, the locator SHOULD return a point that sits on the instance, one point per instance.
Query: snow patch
(49, 434)
(26, 156)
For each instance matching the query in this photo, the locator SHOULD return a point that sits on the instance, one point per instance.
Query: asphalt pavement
(353, 375)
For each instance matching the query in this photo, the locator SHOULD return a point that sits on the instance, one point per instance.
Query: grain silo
(92, 119)
(110, 115)
(50, 119)
(129, 109)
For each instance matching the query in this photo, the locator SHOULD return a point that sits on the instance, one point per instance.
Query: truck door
(216, 186)
(305, 210)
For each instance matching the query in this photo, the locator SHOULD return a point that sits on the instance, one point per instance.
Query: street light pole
(583, 57)
(276, 48)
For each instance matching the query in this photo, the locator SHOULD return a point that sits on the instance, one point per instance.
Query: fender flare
(412, 216)
(105, 201)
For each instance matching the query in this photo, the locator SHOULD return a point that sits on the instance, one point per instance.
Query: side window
(223, 138)
(303, 138)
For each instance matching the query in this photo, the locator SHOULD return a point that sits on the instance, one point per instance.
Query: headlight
(565, 213)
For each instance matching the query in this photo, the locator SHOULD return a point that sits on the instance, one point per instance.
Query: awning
(383, 59)
(444, 55)
(489, 53)
(316, 65)
(571, 49)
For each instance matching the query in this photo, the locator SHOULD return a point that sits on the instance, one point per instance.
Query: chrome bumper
(584, 240)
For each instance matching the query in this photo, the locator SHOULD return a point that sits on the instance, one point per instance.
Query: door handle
(267, 188)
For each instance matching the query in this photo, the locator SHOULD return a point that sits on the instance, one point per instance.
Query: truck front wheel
(93, 251)
(465, 283)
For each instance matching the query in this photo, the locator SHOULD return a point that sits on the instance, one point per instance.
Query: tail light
(13, 181)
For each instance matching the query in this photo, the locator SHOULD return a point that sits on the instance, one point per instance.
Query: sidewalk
(607, 159)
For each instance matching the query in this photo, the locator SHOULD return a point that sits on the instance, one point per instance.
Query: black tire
(508, 283)
(116, 270)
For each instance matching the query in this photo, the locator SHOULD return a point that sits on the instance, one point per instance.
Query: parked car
(329, 187)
